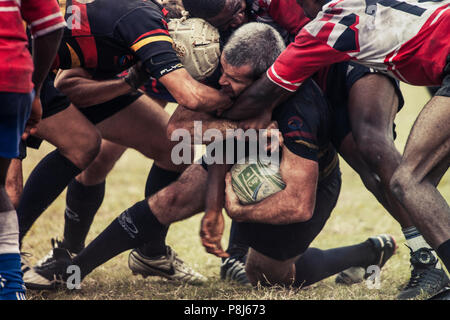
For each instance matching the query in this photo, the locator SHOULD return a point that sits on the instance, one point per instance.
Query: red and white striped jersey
(286, 13)
(16, 65)
(408, 39)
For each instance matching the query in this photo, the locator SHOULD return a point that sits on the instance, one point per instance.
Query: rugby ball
(253, 182)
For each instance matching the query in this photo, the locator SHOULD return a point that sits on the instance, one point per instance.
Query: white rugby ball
(256, 181)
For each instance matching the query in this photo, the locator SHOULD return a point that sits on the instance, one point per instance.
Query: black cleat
(51, 273)
(384, 246)
(426, 280)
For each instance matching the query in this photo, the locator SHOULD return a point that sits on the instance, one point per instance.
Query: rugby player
(21, 110)
(363, 134)
(95, 52)
(186, 196)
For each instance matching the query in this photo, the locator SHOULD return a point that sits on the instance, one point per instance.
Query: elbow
(171, 127)
(303, 214)
(190, 101)
(303, 210)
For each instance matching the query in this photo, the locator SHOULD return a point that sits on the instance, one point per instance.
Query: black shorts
(340, 79)
(444, 90)
(53, 101)
(282, 242)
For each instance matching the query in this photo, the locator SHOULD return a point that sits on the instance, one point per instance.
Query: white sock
(415, 241)
(9, 232)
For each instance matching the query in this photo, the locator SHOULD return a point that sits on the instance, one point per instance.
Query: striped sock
(11, 283)
(415, 241)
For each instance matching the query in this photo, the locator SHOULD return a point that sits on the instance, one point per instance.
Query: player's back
(100, 33)
(305, 120)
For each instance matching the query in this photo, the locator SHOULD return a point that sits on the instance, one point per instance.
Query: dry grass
(356, 217)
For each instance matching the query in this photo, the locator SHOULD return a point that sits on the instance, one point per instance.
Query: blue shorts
(15, 109)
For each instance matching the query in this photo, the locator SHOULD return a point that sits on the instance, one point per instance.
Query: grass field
(356, 217)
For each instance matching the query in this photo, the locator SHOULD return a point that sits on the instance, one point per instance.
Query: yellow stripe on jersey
(331, 166)
(75, 60)
(309, 145)
(148, 40)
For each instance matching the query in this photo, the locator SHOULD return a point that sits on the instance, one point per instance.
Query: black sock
(135, 226)
(237, 246)
(82, 203)
(158, 179)
(443, 252)
(315, 264)
(48, 179)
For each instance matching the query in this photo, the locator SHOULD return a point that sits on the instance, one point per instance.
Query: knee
(401, 182)
(165, 206)
(370, 144)
(254, 272)
(83, 151)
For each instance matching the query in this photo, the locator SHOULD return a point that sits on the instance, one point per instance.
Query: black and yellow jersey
(305, 120)
(107, 37)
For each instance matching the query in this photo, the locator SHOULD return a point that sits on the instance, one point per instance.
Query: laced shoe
(169, 266)
(426, 280)
(39, 277)
(233, 269)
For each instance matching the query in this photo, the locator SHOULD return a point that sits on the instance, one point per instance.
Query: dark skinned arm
(83, 91)
(262, 95)
(44, 52)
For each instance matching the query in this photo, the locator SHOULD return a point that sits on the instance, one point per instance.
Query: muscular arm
(213, 222)
(184, 118)
(293, 204)
(262, 95)
(83, 91)
(192, 94)
(44, 52)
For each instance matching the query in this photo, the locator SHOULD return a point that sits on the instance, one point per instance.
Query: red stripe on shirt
(87, 44)
(150, 33)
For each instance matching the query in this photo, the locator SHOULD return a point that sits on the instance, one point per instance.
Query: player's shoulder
(141, 10)
(308, 103)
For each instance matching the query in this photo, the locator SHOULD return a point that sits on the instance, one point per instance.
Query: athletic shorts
(444, 90)
(53, 101)
(282, 242)
(15, 109)
(340, 79)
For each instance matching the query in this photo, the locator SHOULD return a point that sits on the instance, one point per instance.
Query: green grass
(356, 217)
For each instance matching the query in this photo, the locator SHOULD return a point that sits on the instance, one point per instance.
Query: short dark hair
(255, 44)
(174, 8)
(204, 8)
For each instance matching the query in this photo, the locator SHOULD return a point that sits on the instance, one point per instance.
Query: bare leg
(142, 126)
(75, 137)
(183, 198)
(14, 181)
(372, 114)
(268, 271)
(99, 169)
(349, 151)
(425, 160)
